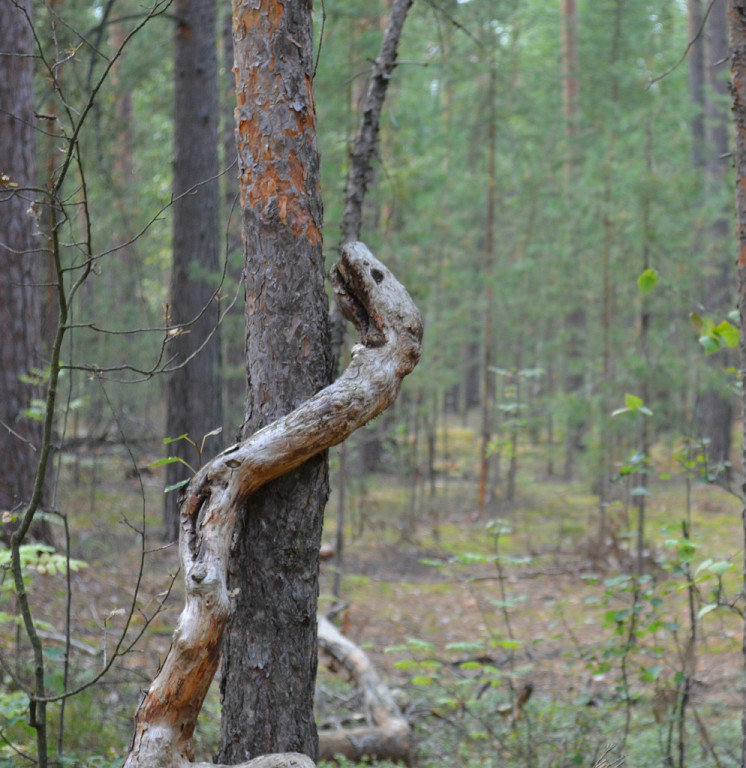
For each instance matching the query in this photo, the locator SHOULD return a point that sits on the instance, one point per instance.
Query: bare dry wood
(390, 328)
(389, 737)
(283, 760)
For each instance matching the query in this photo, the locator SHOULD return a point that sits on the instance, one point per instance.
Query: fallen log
(390, 329)
(389, 737)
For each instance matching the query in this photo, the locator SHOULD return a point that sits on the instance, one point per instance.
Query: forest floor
(459, 612)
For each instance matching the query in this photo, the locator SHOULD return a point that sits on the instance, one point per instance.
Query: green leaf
(464, 647)
(633, 402)
(470, 665)
(510, 644)
(406, 664)
(705, 609)
(78, 402)
(414, 643)
(686, 549)
(167, 440)
(37, 410)
(166, 460)
(173, 460)
(647, 281)
(176, 485)
(696, 321)
(710, 344)
(430, 664)
(422, 680)
(652, 673)
(720, 567)
(727, 333)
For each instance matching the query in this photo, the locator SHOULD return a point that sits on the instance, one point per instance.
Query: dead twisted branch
(390, 328)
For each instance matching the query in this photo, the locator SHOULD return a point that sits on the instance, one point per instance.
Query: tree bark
(488, 375)
(696, 71)
(390, 342)
(234, 362)
(737, 46)
(194, 391)
(570, 83)
(575, 319)
(20, 315)
(269, 665)
(715, 402)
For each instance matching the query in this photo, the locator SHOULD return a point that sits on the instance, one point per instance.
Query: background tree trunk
(488, 375)
(194, 391)
(234, 362)
(20, 316)
(270, 656)
(715, 402)
(575, 319)
(737, 44)
(696, 71)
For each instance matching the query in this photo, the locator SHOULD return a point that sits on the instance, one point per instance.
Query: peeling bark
(390, 330)
(389, 737)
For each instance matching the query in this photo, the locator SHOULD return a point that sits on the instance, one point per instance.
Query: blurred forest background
(539, 542)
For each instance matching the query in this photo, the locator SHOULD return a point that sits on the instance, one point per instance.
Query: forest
(371, 383)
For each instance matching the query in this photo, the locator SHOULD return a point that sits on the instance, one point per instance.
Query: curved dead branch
(389, 737)
(390, 328)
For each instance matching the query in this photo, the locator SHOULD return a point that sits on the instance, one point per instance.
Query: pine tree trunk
(575, 320)
(21, 258)
(696, 62)
(234, 363)
(715, 403)
(194, 390)
(488, 375)
(269, 663)
(737, 41)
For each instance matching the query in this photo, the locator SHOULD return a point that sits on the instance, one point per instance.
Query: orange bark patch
(274, 178)
(245, 19)
(297, 170)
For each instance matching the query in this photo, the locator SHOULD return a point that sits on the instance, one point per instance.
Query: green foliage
(633, 404)
(37, 558)
(199, 447)
(647, 280)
